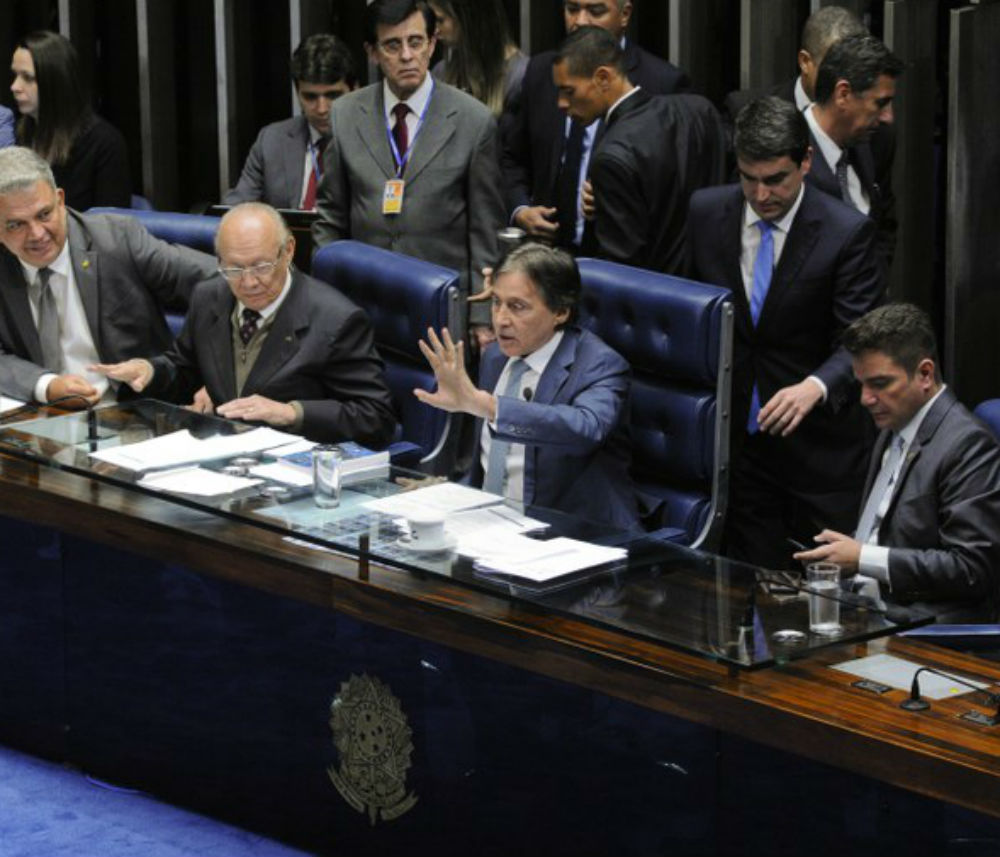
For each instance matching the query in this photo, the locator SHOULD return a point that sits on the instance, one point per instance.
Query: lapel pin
(85, 263)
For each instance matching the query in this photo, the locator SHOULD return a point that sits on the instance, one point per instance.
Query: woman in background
(87, 154)
(482, 58)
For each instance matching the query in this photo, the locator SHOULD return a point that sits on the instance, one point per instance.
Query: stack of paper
(538, 561)
(196, 482)
(181, 447)
(444, 498)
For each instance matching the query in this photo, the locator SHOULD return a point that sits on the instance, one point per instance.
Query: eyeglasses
(394, 47)
(257, 272)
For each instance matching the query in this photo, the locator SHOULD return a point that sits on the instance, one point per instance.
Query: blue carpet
(49, 811)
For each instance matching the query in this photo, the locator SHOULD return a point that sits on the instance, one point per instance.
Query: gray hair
(284, 233)
(21, 168)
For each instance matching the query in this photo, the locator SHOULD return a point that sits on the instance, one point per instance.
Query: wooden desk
(803, 707)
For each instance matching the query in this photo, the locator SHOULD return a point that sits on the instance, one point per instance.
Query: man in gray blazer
(929, 531)
(265, 343)
(285, 163)
(76, 289)
(412, 164)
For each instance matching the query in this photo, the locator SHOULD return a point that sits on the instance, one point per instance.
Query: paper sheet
(196, 482)
(181, 447)
(538, 561)
(288, 474)
(7, 404)
(444, 498)
(898, 673)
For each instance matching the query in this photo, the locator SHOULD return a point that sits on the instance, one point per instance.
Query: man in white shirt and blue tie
(552, 397)
(929, 531)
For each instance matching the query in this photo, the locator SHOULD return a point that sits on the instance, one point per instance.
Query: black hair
(553, 272)
(389, 13)
(586, 49)
(827, 25)
(323, 58)
(769, 128)
(860, 60)
(901, 331)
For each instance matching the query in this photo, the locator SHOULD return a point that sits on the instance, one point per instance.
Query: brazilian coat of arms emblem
(373, 742)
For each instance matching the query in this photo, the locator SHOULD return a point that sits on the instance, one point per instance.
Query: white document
(196, 482)
(7, 404)
(279, 471)
(898, 673)
(444, 498)
(181, 447)
(538, 561)
(494, 522)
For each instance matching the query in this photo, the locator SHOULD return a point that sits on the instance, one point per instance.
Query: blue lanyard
(402, 161)
(315, 162)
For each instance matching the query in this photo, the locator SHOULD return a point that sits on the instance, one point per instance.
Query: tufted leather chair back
(403, 296)
(989, 412)
(677, 335)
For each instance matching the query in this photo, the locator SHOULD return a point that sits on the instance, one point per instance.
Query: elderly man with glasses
(265, 343)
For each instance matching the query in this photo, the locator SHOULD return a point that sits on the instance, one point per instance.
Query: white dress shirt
(75, 337)
(802, 101)
(537, 361)
(417, 104)
(831, 152)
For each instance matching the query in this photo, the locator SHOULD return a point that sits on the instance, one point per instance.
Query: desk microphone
(917, 703)
(527, 393)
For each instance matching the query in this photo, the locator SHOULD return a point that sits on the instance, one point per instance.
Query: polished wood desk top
(802, 707)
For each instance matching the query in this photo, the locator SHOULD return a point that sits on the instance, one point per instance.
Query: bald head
(255, 249)
(825, 27)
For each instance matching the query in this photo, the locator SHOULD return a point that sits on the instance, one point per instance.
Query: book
(358, 460)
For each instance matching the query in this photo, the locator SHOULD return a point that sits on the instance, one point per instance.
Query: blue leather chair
(191, 230)
(403, 297)
(677, 334)
(989, 413)
(140, 203)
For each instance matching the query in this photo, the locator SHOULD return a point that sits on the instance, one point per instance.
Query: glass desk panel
(661, 592)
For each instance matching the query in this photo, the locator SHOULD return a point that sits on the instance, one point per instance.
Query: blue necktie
(496, 465)
(871, 517)
(763, 267)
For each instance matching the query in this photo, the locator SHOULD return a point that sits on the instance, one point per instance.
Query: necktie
(309, 201)
(248, 324)
(763, 268)
(400, 133)
(48, 321)
(845, 193)
(496, 465)
(568, 186)
(878, 497)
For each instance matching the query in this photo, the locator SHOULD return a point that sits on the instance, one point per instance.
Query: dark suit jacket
(319, 352)
(654, 152)
(125, 278)
(97, 171)
(574, 429)
(827, 277)
(535, 134)
(943, 522)
(273, 172)
(452, 205)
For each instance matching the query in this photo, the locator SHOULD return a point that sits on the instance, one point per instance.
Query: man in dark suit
(285, 163)
(412, 165)
(76, 289)
(929, 531)
(801, 266)
(544, 157)
(551, 400)
(652, 153)
(271, 345)
(855, 86)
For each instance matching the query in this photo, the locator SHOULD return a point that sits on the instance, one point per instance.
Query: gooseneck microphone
(915, 702)
(527, 393)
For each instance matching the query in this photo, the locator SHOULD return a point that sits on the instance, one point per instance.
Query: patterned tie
(568, 185)
(400, 133)
(248, 324)
(871, 517)
(49, 332)
(845, 193)
(763, 268)
(309, 201)
(496, 465)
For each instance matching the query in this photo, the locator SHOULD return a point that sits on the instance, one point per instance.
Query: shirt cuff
(300, 416)
(513, 216)
(874, 561)
(42, 386)
(821, 385)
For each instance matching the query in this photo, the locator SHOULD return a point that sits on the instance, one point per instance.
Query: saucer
(448, 543)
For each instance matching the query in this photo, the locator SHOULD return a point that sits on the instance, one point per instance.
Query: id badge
(392, 196)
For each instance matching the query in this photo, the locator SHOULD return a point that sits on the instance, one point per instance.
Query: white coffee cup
(427, 531)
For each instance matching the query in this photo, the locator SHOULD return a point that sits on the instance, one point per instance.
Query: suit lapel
(85, 270)
(293, 159)
(730, 227)
(820, 175)
(14, 293)
(219, 337)
(799, 243)
(434, 133)
(282, 341)
(863, 162)
(558, 369)
(372, 131)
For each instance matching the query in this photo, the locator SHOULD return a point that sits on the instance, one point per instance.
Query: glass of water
(823, 586)
(327, 462)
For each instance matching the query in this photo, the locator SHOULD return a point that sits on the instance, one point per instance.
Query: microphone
(527, 393)
(917, 703)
